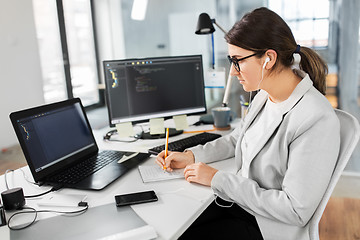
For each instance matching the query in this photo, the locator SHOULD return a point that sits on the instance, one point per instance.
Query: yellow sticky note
(157, 126)
(125, 129)
(180, 122)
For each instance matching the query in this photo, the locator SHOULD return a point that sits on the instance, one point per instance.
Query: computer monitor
(159, 87)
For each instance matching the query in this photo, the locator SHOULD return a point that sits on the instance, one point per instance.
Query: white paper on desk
(142, 233)
(61, 200)
(155, 173)
(125, 158)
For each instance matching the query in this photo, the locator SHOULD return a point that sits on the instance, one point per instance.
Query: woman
(285, 149)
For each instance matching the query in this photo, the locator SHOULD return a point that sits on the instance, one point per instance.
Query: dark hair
(262, 29)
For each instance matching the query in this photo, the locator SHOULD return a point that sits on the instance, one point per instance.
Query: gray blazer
(290, 169)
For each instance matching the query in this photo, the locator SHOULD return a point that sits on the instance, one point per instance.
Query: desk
(180, 202)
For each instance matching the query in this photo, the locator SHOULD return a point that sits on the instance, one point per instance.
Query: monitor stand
(172, 132)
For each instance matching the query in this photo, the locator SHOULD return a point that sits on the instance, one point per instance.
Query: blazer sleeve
(219, 149)
(312, 155)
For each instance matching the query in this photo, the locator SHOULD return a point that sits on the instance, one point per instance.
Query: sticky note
(180, 122)
(125, 129)
(157, 126)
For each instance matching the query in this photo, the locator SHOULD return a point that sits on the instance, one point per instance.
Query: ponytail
(315, 66)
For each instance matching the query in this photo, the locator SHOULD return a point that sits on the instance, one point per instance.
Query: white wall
(20, 73)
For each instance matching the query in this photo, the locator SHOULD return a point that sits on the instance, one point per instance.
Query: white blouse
(256, 130)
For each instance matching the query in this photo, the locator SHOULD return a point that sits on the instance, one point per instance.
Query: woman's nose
(233, 71)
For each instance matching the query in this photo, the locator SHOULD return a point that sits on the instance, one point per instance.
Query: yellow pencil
(166, 145)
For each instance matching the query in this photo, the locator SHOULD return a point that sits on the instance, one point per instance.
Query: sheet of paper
(181, 122)
(201, 128)
(215, 78)
(125, 158)
(61, 200)
(157, 126)
(154, 173)
(143, 233)
(125, 129)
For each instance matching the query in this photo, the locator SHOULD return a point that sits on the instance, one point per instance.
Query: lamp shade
(204, 24)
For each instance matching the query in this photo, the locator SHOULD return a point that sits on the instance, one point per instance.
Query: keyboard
(182, 144)
(87, 167)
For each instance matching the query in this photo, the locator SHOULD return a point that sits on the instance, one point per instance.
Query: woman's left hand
(199, 173)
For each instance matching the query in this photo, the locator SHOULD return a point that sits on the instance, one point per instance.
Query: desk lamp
(205, 26)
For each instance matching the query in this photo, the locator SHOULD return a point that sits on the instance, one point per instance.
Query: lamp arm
(227, 90)
(219, 27)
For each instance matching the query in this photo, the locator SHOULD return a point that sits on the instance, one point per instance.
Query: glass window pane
(303, 19)
(47, 31)
(321, 32)
(321, 8)
(80, 40)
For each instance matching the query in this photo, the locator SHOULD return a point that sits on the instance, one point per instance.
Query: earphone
(262, 77)
(266, 61)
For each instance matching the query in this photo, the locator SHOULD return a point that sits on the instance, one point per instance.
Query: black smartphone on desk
(135, 198)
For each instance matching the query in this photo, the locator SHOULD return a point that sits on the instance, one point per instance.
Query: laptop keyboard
(86, 168)
(182, 144)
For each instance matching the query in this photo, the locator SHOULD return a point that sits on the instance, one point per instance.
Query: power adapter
(13, 198)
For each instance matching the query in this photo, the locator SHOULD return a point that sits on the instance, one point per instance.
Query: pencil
(200, 131)
(166, 145)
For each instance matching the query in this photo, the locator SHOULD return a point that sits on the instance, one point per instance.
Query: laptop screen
(55, 135)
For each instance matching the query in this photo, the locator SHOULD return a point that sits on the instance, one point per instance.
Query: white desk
(179, 204)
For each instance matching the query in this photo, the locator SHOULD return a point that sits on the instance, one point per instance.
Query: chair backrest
(349, 136)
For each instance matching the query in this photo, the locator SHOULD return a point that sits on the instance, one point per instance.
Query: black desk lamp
(205, 26)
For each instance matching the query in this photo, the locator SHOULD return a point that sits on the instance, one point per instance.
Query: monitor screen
(140, 89)
(54, 135)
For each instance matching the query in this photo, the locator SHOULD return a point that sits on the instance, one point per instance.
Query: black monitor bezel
(147, 59)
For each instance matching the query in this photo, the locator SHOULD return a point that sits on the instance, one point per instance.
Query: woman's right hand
(175, 159)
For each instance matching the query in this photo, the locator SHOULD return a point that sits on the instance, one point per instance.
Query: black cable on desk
(55, 188)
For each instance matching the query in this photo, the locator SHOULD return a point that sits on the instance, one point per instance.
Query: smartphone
(135, 198)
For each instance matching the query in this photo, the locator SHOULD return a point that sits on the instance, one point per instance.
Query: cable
(38, 195)
(81, 211)
(108, 135)
(6, 182)
(54, 188)
(250, 100)
(26, 178)
(224, 206)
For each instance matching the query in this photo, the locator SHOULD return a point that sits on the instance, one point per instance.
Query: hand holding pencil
(168, 160)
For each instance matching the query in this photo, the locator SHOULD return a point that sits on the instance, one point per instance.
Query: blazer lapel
(295, 97)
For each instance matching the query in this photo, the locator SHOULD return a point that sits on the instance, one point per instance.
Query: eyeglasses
(236, 61)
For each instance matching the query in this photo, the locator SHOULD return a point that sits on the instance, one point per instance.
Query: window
(67, 50)
(308, 20)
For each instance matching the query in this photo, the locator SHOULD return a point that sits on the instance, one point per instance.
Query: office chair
(349, 136)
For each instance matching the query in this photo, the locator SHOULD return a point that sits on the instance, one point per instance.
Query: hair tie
(297, 50)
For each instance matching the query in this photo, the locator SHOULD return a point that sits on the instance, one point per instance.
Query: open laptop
(60, 148)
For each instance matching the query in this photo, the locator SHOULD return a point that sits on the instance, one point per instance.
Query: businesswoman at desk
(285, 149)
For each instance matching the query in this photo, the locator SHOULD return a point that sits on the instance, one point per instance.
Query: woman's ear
(269, 57)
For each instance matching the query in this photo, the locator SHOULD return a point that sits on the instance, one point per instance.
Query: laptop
(61, 150)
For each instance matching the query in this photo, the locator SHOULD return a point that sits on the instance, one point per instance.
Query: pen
(166, 145)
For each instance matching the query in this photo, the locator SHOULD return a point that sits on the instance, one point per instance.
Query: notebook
(154, 173)
(60, 148)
